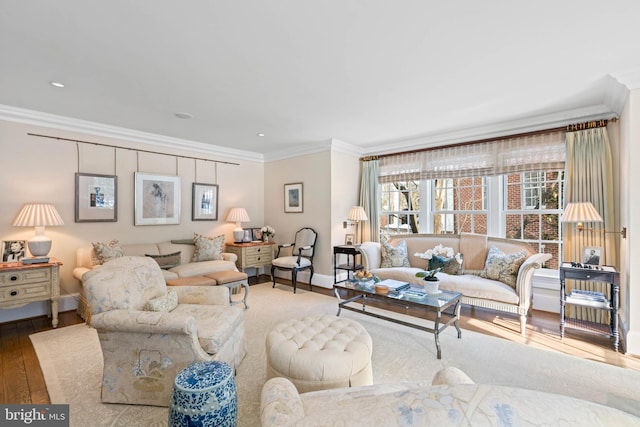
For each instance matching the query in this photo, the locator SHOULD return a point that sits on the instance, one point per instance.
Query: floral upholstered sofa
(450, 399)
(177, 258)
(496, 273)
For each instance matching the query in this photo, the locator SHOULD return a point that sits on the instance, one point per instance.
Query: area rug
(71, 361)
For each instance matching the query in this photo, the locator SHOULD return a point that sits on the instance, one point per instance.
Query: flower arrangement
(268, 231)
(438, 250)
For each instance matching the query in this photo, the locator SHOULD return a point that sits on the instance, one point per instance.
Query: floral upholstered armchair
(148, 334)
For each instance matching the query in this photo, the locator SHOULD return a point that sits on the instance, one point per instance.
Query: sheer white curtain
(589, 178)
(369, 199)
(544, 151)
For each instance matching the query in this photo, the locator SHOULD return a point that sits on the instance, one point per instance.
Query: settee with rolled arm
(484, 279)
(174, 257)
(450, 399)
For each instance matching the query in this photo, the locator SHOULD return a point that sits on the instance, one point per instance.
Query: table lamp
(238, 215)
(38, 215)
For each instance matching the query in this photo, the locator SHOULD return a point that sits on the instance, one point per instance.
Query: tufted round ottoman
(321, 352)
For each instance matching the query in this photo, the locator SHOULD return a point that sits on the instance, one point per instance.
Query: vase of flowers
(431, 282)
(267, 232)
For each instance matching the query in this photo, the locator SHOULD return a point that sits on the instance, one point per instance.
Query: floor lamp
(357, 214)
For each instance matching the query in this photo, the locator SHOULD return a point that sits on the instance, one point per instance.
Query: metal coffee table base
(445, 315)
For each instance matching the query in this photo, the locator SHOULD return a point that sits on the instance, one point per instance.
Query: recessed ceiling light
(260, 134)
(184, 115)
(56, 84)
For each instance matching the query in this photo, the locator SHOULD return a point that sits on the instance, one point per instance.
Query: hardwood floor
(23, 382)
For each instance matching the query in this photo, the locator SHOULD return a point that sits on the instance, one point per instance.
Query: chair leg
(294, 274)
(273, 276)
(310, 278)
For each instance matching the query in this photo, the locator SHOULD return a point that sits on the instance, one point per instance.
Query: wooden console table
(252, 254)
(21, 284)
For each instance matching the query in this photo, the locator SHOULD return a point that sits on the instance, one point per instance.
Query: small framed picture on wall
(293, 198)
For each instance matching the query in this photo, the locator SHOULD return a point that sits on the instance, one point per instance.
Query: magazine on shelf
(394, 285)
(588, 295)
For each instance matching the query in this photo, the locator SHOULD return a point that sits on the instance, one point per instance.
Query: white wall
(39, 169)
(630, 217)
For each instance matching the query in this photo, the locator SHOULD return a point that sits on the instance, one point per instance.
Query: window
(523, 206)
(532, 211)
(399, 207)
(459, 204)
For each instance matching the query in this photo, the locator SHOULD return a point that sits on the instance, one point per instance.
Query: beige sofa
(476, 290)
(451, 399)
(186, 268)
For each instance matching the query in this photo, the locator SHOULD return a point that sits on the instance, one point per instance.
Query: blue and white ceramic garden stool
(204, 394)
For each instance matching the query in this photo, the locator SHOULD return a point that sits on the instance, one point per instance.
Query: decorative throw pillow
(394, 256)
(446, 265)
(164, 303)
(207, 248)
(103, 252)
(166, 261)
(503, 267)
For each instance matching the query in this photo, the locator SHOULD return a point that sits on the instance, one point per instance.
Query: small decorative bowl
(382, 289)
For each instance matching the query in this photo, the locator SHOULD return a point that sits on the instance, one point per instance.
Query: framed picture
(293, 198)
(592, 255)
(13, 250)
(256, 234)
(96, 198)
(157, 199)
(248, 235)
(349, 239)
(205, 202)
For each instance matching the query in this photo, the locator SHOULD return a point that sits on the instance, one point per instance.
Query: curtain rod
(133, 149)
(569, 128)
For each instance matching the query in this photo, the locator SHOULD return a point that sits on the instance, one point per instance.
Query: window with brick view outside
(531, 208)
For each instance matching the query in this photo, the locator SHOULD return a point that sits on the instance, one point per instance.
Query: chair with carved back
(296, 256)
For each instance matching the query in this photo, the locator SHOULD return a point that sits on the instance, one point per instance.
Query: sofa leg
(523, 324)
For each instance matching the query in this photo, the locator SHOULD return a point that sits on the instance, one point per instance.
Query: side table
(251, 254)
(351, 251)
(21, 284)
(597, 300)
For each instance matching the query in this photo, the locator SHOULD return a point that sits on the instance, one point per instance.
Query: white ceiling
(376, 74)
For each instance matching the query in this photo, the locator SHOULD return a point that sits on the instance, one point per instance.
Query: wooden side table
(351, 252)
(23, 284)
(251, 254)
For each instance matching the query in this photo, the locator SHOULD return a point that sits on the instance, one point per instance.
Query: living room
(41, 150)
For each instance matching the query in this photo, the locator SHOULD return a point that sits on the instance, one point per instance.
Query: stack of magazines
(588, 295)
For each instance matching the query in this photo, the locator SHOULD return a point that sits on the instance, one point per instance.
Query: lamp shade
(238, 215)
(581, 212)
(357, 213)
(38, 215)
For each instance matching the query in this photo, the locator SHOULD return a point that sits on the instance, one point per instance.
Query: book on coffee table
(394, 285)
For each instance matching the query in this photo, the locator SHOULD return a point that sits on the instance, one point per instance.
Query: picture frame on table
(248, 235)
(157, 199)
(349, 239)
(592, 255)
(204, 201)
(96, 198)
(13, 250)
(293, 198)
(256, 234)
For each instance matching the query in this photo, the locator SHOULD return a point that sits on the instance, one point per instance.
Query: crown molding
(38, 118)
(529, 124)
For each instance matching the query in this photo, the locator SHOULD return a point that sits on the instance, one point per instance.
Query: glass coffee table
(445, 304)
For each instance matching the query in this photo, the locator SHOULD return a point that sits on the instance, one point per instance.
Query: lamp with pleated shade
(357, 214)
(38, 215)
(238, 215)
(581, 212)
